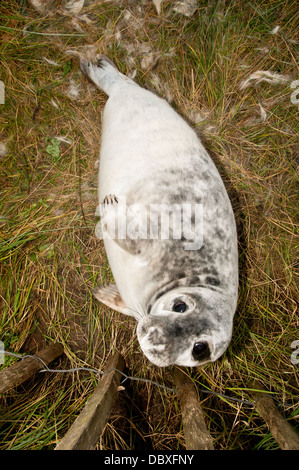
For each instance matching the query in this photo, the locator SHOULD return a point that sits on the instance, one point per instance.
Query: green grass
(51, 259)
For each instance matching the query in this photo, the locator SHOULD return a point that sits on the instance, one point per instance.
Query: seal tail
(103, 73)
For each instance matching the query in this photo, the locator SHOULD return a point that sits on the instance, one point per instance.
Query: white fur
(145, 143)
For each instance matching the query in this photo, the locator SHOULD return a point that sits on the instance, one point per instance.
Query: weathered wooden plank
(283, 433)
(86, 430)
(26, 368)
(196, 433)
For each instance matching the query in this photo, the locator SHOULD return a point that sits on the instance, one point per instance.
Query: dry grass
(50, 258)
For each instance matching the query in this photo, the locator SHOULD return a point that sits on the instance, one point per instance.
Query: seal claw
(110, 199)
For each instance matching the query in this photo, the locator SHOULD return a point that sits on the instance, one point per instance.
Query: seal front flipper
(125, 225)
(109, 212)
(110, 296)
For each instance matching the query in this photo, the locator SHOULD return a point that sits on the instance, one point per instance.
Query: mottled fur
(150, 155)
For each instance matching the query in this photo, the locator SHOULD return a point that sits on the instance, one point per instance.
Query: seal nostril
(201, 351)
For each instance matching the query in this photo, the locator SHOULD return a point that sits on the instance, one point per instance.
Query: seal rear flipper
(102, 72)
(110, 296)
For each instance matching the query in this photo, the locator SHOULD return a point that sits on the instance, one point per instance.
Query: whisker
(139, 312)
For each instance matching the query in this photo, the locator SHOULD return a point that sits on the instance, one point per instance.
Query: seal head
(187, 326)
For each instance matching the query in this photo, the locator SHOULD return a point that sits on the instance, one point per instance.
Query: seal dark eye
(179, 306)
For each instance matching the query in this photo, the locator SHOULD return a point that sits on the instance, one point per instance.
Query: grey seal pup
(167, 223)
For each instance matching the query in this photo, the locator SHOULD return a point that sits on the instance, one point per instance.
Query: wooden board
(86, 430)
(27, 367)
(196, 433)
(283, 433)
